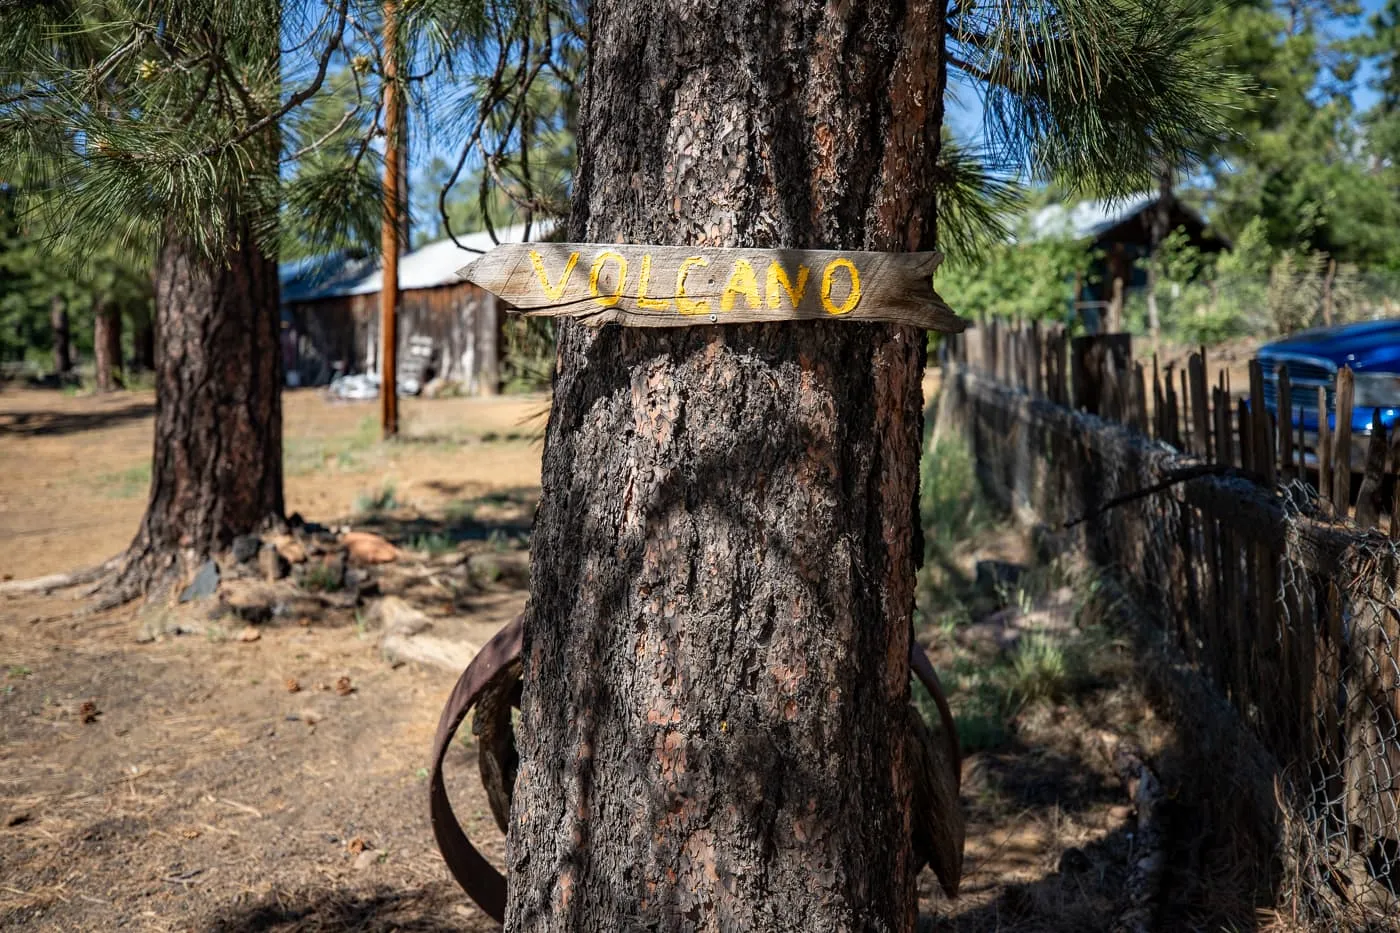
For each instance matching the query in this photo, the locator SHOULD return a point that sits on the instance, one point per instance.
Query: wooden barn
(446, 328)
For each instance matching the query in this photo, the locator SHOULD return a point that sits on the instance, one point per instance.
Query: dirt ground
(74, 470)
(205, 795)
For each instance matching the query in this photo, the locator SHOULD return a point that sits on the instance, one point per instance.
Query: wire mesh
(1293, 617)
(1341, 805)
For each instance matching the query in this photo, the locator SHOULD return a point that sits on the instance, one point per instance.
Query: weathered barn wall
(341, 334)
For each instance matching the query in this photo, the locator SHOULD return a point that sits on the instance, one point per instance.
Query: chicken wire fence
(1341, 803)
(1293, 617)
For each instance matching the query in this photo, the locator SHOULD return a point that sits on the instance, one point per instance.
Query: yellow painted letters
(778, 278)
(690, 305)
(607, 301)
(852, 297)
(741, 282)
(555, 292)
(643, 282)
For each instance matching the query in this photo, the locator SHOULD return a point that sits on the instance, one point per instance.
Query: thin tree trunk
(62, 345)
(1327, 291)
(107, 345)
(217, 470)
(716, 651)
(143, 343)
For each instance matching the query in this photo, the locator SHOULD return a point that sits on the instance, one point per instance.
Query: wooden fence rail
(1098, 375)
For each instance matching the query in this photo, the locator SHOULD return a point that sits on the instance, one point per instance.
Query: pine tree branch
(297, 99)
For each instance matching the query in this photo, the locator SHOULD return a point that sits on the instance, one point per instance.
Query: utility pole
(389, 284)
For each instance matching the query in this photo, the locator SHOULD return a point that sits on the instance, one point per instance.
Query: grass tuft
(375, 501)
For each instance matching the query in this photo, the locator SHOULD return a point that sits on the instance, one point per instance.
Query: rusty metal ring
(477, 876)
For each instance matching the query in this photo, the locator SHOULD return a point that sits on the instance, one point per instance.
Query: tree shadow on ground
(1078, 874)
(505, 516)
(56, 423)
(429, 909)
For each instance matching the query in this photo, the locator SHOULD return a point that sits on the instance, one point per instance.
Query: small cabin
(447, 328)
(1119, 232)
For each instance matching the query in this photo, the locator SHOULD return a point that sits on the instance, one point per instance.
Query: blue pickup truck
(1313, 358)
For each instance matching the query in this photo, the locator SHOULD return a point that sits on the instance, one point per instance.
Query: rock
(291, 549)
(249, 634)
(435, 387)
(365, 547)
(272, 564)
(450, 645)
(205, 582)
(245, 548)
(366, 859)
(399, 618)
(251, 602)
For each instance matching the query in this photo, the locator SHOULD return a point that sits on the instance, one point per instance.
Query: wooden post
(1090, 358)
(1284, 404)
(1188, 441)
(1159, 401)
(1395, 485)
(1139, 390)
(1246, 436)
(1035, 358)
(389, 240)
(1302, 443)
(1261, 425)
(1368, 501)
(1341, 442)
(1324, 451)
(1200, 404)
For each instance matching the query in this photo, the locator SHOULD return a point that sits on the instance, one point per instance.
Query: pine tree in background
(180, 134)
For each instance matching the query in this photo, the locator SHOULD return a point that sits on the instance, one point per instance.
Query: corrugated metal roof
(428, 266)
(1086, 219)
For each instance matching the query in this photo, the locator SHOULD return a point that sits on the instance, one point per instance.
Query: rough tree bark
(716, 651)
(107, 345)
(217, 470)
(62, 344)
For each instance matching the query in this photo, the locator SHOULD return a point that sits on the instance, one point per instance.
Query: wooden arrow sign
(682, 286)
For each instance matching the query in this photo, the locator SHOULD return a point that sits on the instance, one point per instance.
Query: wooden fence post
(1341, 443)
(1284, 404)
(1368, 500)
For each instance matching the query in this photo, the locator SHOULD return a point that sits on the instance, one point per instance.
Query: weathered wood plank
(1285, 434)
(685, 286)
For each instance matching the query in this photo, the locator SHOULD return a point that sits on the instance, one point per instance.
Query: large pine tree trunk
(716, 651)
(107, 345)
(217, 471)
